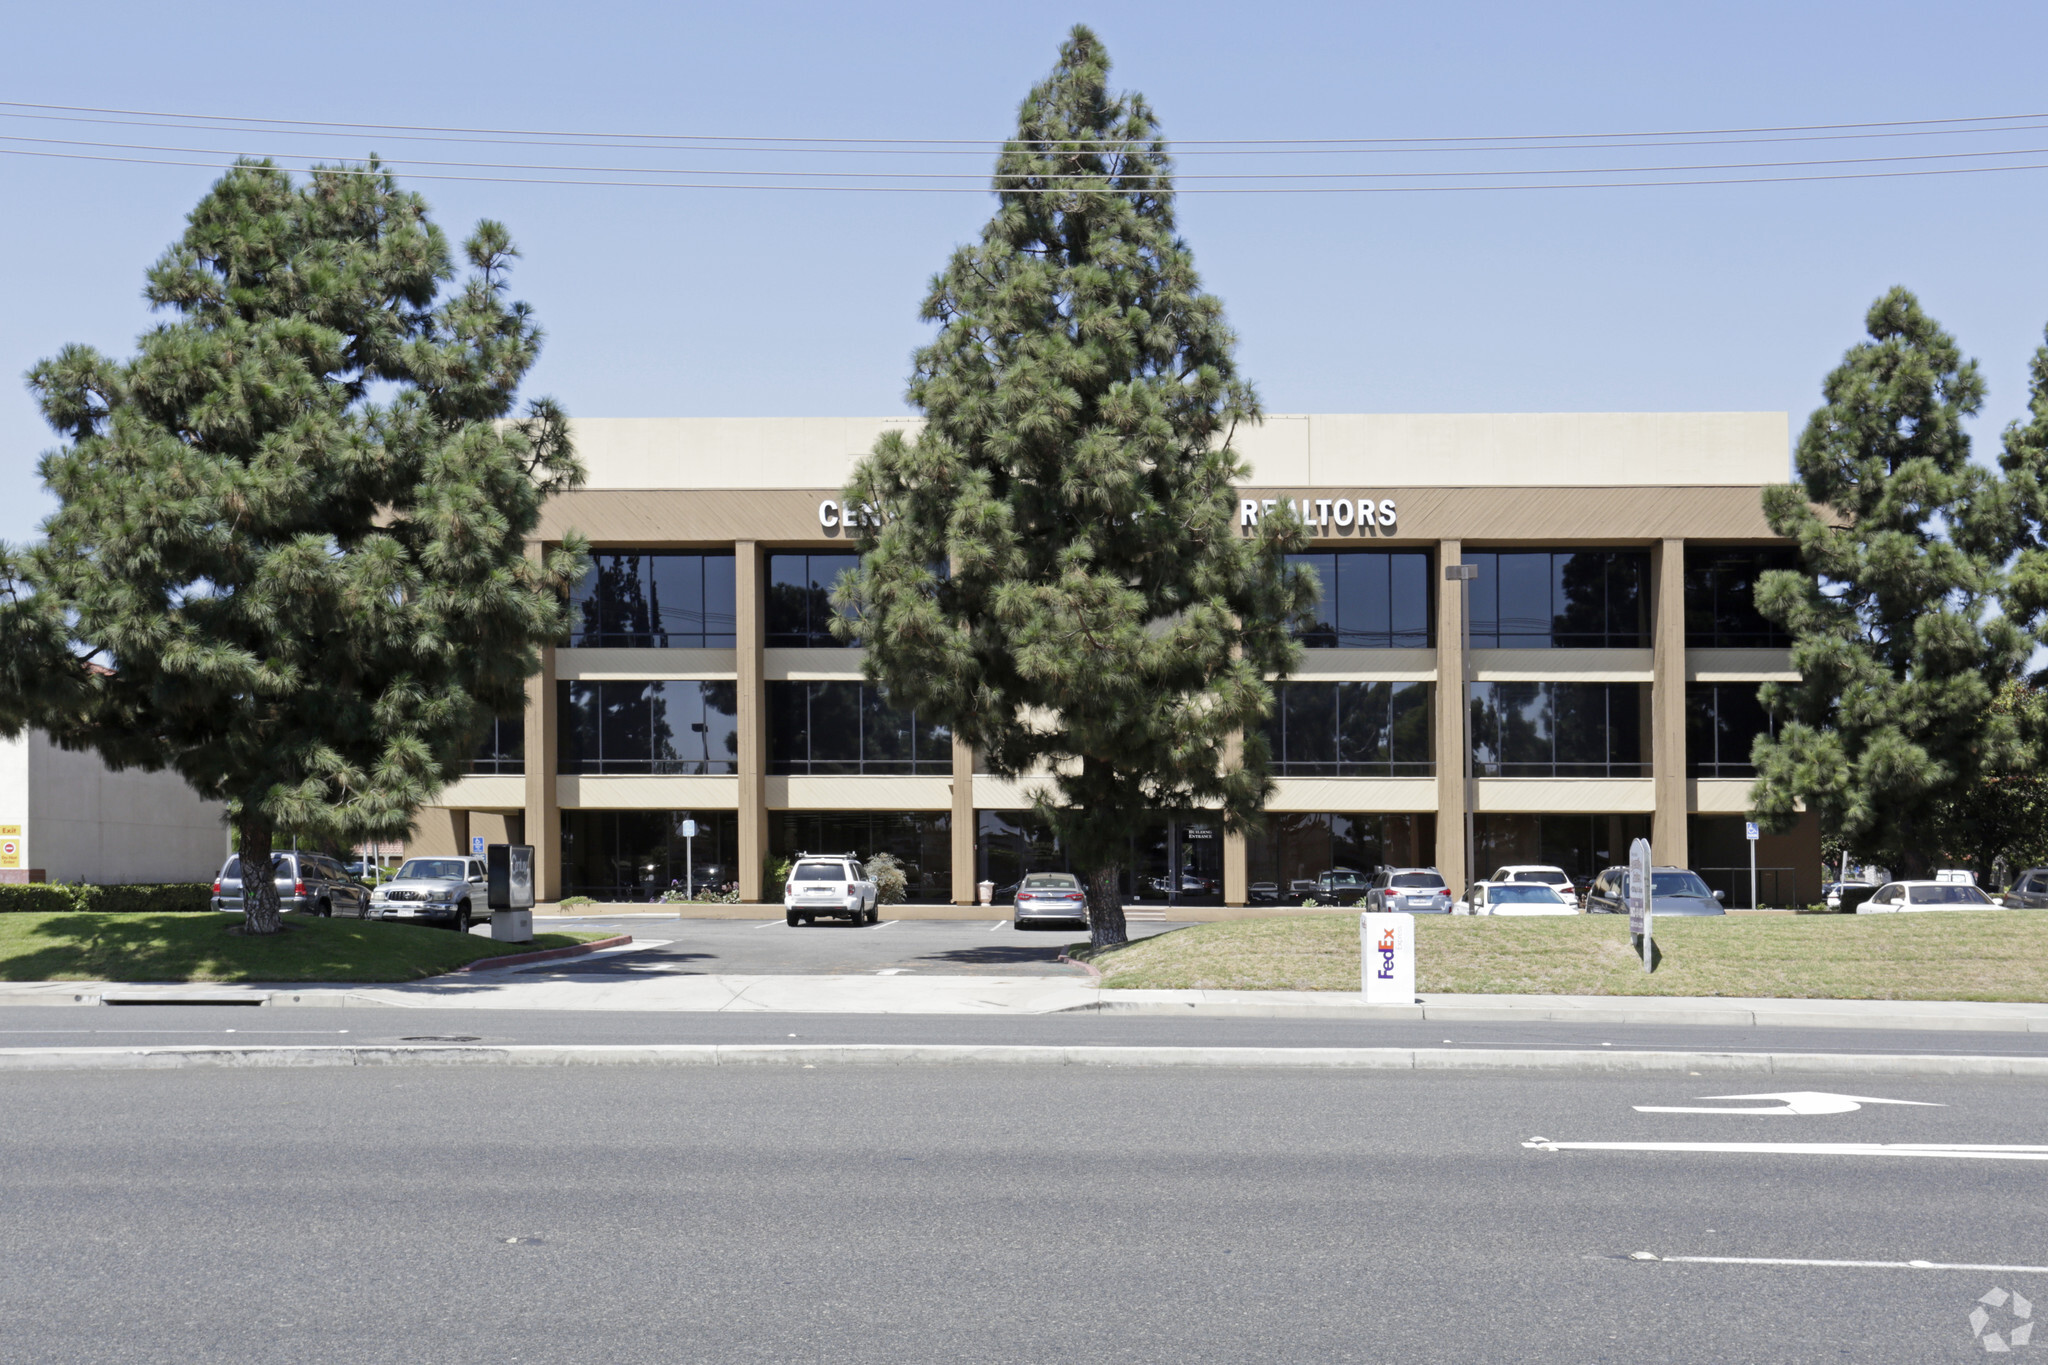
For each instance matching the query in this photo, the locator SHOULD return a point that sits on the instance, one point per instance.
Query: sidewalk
(935, 994)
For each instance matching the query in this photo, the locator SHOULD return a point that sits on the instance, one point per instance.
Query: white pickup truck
(829, 886)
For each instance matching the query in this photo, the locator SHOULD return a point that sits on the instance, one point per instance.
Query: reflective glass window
(800, 599)
(662, 727)
(1720, 597)
(1560, 599)
(1556, 729)
(1367, 599)
(646, 599)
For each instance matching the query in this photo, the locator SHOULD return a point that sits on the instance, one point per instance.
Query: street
(992, 1214)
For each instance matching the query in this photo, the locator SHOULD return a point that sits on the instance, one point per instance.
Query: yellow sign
(13, 847)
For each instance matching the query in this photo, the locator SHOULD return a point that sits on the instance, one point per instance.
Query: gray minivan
(307, 884)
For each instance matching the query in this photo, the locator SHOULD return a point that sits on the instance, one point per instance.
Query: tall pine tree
(1896, 639)
(1056, 573)
(289, 558)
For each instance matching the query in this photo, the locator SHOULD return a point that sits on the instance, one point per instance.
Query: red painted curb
(484, 964)
(1094, 975)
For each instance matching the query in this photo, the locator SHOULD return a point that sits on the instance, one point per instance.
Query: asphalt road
(185, 1025)
(830, 948)
(993, 1215)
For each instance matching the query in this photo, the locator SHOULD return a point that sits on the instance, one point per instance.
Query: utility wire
(976, 189)
(1073, 180)
(1000, 142)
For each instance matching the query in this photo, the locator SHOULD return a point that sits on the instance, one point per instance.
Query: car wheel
(789, 917)
(806, 919)
(874, 914)
(462, 919)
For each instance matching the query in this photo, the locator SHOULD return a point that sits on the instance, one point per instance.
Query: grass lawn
(74, 946)
(1958, 955)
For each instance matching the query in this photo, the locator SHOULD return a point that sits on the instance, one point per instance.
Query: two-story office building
(1609, 682)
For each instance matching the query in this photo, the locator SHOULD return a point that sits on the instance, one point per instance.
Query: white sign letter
(1342, 514)
(1247, 513)
(828, 514)
(1386, 512)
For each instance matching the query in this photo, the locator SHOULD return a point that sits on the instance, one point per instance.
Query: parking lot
(772, 948)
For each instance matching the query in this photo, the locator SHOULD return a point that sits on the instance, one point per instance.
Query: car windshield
(1343, 878)
(1517, 894)
(1417, 879)
(1678, 884)
(282, 868)
(1948, 893)
(1547, 878)
(432, 870)
(1052, 882)
(818, 872)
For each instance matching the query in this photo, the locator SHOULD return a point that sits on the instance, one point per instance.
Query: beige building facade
(1607, 691)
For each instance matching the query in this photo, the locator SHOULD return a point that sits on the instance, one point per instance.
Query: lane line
(997, 925)
(887, 923)
(1842, 1265)
(770, 923)
(1953, 1150)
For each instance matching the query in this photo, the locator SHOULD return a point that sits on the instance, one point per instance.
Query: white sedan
(1514, 898)
(1896, 898)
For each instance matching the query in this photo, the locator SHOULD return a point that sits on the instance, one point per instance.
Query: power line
(1201, 189)
(999, 142)
(983, 177)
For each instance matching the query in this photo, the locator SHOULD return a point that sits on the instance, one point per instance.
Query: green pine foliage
(289, 558)
(1897, 636)
(1057, 573)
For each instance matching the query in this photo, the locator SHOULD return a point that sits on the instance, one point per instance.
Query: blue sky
(692, 302)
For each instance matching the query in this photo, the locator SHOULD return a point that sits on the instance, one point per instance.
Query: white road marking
(1805, 1102)
(892, 971)
(1961, 1150)
(887, 922)
(1842, 1265)
(770, 923)
(997, 925)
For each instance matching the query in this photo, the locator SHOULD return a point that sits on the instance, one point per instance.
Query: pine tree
(1055, 571)
(289, 558)
(1900, 654)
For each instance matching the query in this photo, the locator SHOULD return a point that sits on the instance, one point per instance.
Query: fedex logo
(1386, 952)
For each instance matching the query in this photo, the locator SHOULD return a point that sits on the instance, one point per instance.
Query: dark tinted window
(1352, 729)
(800, 599)
(634, 599)
(823, 728)
(1560, 599)
(668, 728)
(503, 750)
(1722, 721)
(1368, 599)
(1720, 597)
(1554, 729)
(1417, 879)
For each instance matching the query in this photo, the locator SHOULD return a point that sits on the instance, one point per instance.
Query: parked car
(1844, 897)
(1419, 890)
(1534, 872)
(446, 892)
(307, 884)
(1517, 898)
(1901, 897)
(1340, 886)
(829, 886)
(1050, 897)
(1673, 891)
(1264, 893)
(2029, 890)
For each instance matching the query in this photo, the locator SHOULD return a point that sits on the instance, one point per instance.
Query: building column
(1236, 881)
(750, 593)
(963, 823)
(1450, 718)
(1667, 703)
(543, 819)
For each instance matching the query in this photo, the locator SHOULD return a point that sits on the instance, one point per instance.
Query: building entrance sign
(1365, 514)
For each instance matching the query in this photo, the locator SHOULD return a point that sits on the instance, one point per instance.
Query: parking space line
(887, 922)
(1839, 1265)
(770, 923)
(997, 925)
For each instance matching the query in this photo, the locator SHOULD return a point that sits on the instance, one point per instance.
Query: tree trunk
(260, 914)
(1106, 908)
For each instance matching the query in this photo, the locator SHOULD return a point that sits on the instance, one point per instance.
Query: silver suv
(1417, 890)
(449, 892)
(307, 884)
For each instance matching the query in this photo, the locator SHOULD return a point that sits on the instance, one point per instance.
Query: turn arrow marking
(1804, 1102)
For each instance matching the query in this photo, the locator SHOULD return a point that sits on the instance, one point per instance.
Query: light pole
(1462, 574)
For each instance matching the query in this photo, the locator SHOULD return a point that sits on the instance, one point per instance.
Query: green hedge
(57, 897)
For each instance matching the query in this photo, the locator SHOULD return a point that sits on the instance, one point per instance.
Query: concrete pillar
(750, 591)
(1236, 882)
(963, 823)
(542, 820)
(1667, 703)
(1450, 718)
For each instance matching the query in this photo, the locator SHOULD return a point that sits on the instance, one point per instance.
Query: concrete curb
(892, 1054)
(491, 964)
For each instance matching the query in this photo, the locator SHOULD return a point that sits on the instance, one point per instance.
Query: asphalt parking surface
(723, 947)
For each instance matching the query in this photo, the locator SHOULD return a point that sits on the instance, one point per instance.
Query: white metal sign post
(1386, 945)
(689, 858)
(1749, 828)
(1639, 908)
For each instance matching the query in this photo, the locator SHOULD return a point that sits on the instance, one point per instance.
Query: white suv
(1543, 873)
(829, 885)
